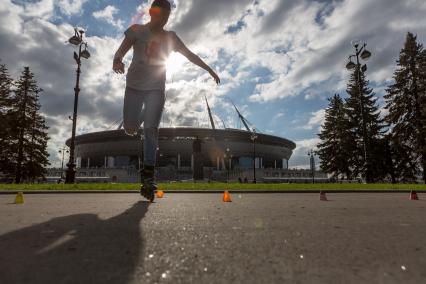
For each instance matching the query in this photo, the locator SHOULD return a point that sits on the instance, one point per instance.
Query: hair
(163, 4)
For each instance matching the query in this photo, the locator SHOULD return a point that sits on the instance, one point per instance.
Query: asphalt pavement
(197, 238)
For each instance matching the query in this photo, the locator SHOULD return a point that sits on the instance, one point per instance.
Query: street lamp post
(230, 162)
(364, 54)
(76, 40)
(312, 163)
(226, 155)
(62, 151)
(157, 161)
(253, 138)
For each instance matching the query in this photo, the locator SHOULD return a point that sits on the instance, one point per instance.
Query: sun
(174, 63)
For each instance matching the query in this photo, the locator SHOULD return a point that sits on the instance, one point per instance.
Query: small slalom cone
(226, 197)
(413, 195)
(19, 199)
(323, 197)
(160, 194)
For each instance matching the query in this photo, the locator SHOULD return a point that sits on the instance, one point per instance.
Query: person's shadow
(78, 248)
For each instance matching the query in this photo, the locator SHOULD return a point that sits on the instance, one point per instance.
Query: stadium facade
(198, 152)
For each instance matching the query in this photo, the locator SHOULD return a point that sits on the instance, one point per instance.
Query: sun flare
(174, 63)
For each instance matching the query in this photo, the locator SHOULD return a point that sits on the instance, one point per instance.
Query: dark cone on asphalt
(413, 195)
(323, 197)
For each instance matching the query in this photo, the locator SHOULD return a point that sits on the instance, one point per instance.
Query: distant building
(183, 152)
(131, 175)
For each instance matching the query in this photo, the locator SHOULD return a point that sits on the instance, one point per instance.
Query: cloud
(41, 9)
(300, 158)
(71, 7)
(107, 15)
(317, 119)
(50, 59)
(268, 52)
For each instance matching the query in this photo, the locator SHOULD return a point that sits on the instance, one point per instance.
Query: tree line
(395, 141)
(23, 130)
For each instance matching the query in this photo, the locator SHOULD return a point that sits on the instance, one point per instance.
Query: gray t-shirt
(150, 52)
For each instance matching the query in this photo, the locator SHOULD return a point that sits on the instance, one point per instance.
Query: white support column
(105, 161)
(217, 163)
(261, 163)
(285, 164)
(88, 162)
(275, 164)
(192, 161)
(178, 161)
(110, 162)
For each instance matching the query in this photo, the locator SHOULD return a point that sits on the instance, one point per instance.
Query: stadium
(186, 152)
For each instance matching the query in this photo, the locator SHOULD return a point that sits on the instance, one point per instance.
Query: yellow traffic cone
(19, 199)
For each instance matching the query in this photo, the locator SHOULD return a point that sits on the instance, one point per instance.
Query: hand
(215, 77)
(118, 66)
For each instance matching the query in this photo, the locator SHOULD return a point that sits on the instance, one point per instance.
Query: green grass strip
(214, 186)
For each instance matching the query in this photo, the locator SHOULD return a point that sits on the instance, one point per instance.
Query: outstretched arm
(181, 48)
(118, 65)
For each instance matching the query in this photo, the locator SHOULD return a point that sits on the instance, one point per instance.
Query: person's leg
(151, 115)
(132, 107)
(153, 109)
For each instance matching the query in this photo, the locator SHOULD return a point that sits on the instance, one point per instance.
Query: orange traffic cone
(323, 197)
(226, 197)
(413, 195)
(160, 194)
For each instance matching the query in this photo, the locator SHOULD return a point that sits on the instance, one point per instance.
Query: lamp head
(365, 55)
(85, 53)
(350, 65)
(75, 40)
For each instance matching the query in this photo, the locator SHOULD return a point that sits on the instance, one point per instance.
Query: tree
(365, 125)
(28, 130)
(6, 166)
(406, 103)
(334, 149)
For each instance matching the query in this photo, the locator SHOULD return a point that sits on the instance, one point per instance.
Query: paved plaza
(196, 238)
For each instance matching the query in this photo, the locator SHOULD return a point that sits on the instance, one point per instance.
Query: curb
(5, 192)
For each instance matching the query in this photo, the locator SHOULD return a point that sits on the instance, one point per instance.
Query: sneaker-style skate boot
(148, 185)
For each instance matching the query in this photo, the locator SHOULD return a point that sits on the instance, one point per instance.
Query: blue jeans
(146, 107)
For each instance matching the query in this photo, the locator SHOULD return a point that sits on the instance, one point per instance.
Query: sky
(279, 60)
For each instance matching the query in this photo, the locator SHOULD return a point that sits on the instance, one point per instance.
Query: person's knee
(151, 129)
(130, 130)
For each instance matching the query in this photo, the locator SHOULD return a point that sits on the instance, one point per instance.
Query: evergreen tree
(6, 166)
(28, 130)
(382, 159)
(334, 147)
(406, 102)
(365, 125)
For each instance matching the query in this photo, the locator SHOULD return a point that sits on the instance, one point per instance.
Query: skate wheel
(151, 197)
